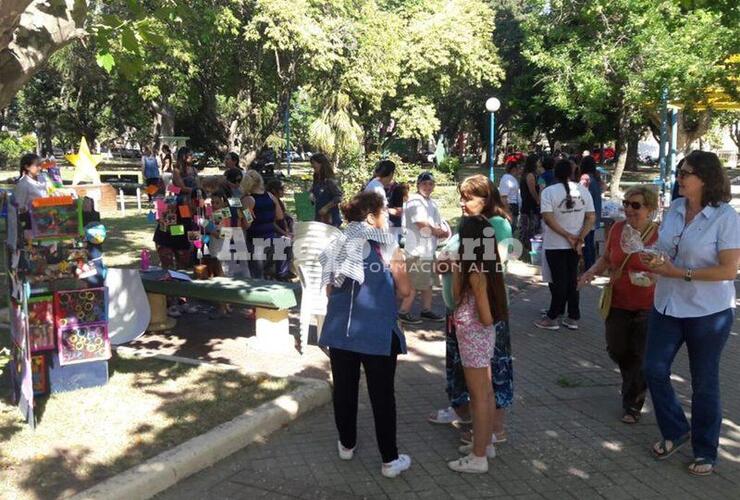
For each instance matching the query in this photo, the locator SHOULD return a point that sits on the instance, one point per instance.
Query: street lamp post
(492, 105)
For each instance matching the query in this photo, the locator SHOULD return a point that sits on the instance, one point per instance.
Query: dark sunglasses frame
(684, 173)
(636, 205)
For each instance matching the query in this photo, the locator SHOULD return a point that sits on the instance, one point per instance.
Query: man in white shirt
(424, 227)
(509, 189)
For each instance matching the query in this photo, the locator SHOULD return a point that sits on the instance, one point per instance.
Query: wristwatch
(689, 275)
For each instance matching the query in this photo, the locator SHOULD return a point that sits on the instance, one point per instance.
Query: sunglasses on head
(636, 205)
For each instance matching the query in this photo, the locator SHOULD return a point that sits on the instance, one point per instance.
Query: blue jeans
(704, 337)
(589, 250)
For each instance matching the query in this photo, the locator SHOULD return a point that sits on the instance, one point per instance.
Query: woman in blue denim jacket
(694, 304)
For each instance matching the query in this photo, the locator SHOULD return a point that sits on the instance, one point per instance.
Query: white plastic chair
(311, 238)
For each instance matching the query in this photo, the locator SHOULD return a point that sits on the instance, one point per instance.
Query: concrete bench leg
(159, 320)
(272, 329)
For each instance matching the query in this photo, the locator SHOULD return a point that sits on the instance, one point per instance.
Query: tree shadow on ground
(65, 471)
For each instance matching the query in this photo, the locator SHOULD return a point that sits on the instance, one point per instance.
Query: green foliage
(450, 165)
(621, 54)
(353, 173)
(12, 148)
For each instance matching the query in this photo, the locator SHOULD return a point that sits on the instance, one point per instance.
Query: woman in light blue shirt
(694, 304)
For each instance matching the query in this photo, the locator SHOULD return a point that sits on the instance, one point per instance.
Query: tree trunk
(620, 151)
(30, 32)
(164, 121)
(550, 142)
(233, 133)
(735, 133)
(633, 140)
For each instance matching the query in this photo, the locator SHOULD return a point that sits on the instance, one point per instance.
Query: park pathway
(565, 438)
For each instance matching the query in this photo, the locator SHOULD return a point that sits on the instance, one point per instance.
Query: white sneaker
(345, 453)
(174, 312)
(447, 416)
(570, 323)
(469, 464)
(394, 468)
(467, 449)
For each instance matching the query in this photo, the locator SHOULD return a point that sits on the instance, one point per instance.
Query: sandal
(701, 467)
(630, 418)
(665, 448)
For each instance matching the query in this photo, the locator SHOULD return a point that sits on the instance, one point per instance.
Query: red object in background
(514, 157)
(608, 154)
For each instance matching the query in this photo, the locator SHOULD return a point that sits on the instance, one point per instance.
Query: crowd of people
(660, 276)
(655, 301)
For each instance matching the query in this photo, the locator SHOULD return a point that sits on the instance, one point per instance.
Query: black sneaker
(408, 318)
(432, 316)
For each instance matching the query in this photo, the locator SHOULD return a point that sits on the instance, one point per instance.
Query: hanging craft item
(53, 174)
(177, 230)
(41, 323)
(79, 344)
(75, 307)
(56, 221)
(39, 375)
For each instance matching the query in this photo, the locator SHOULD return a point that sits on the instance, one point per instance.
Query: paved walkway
(565, 438)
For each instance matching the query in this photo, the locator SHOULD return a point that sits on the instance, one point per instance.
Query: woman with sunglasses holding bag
(694, 304)
(626, 301)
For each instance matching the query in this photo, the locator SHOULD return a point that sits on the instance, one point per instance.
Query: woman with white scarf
(364, 271)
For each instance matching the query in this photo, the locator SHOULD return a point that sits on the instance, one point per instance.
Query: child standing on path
(480, 298)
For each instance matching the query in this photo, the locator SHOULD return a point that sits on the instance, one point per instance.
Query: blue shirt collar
(707, 211)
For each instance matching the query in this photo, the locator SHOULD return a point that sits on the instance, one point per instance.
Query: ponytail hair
(563, 173)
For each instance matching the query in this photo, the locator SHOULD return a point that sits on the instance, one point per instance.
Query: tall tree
(617, 55)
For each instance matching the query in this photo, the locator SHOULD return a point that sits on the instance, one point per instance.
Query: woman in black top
(529, 217)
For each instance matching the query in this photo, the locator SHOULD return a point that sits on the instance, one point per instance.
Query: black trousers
(564, 270)
(380, 372)
(626, 334)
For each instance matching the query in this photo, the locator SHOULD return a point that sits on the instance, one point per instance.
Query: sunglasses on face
(684, 173)
(635, 205)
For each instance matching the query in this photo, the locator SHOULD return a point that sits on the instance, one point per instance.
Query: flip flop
(701, 462)
(662, 450)
(630, 419)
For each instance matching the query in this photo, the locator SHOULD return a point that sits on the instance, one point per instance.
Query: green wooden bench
(272, 300)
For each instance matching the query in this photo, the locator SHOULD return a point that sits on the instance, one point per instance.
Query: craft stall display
(58, 306)
(195, 218)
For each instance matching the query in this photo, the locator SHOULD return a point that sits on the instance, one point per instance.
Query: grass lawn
(148, 406)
